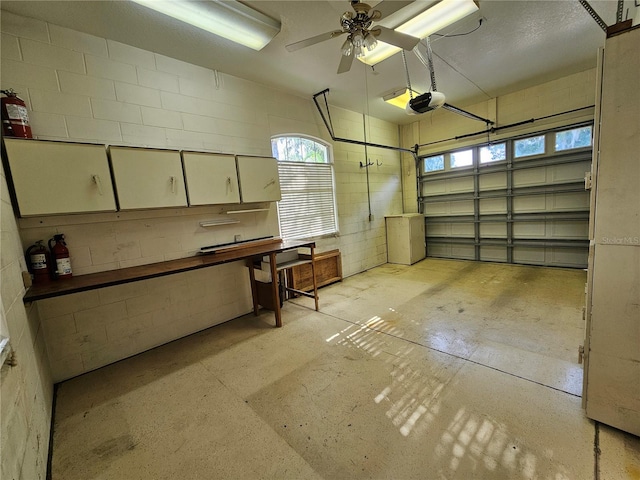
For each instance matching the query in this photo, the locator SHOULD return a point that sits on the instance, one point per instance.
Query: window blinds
(307, 208)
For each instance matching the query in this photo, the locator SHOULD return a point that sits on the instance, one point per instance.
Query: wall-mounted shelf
(219, 221)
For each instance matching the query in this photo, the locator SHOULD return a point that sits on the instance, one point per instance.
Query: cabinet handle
(229, 186)
(173, 184)
(98, 182)
(273, 180)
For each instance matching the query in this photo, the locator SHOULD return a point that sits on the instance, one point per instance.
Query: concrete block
(114, 252)
(143, 135)
(78, 41)
(158, 117)
(10, 47)
(147, 303)
(47, 55)
(86, 85)
(107, 68)
(24, 27)
(93, 129)
(97, 318)
(75, 302)
(137, 95)
(132, 55)
(182, 69)
(49, 124)
(32, 76)
(61, 326)
(158, 80)
(116, 111)
(61, 103)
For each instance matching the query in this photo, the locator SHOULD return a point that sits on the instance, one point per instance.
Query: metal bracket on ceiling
(594, 14)
(326, 118)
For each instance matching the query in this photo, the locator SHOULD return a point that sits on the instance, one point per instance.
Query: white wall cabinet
(59, 177)
(148, 178)
(259, 179)
(405, 238)
(211, 178)
(611, 391)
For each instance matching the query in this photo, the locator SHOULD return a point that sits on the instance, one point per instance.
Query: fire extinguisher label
(38, 261)
(18, 112)
(64, 266)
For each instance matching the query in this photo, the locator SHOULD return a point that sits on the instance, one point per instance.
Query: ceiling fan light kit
(424, 24)
(230, 19)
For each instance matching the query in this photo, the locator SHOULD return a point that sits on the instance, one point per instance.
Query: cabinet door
(211, 178)
(259, 180)
(147, 178)
(57, 177)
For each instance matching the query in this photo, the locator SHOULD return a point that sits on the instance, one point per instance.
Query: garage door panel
(467, 252)
(567, 229)
(493, 205)
(568, 172)
(493, 230)
(461, 230)
(464, 207)
(528, 255)
(493, 254)
(529, 230)
(529, 203)
(568, 201)
(439, 250)
(493, 181)
(530, 176)
(460, 185)
(439, 229)
(569, 257)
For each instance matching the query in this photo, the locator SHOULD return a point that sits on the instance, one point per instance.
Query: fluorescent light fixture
(229, 19)
(430, 21)
(399, 97)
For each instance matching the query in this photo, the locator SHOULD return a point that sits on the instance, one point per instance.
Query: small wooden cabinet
(148, 178)
(59, 177)
(259, 179)
(328, 266)
(211, 178)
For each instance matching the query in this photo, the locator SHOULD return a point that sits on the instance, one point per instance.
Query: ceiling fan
(362, 36)
(433, 99)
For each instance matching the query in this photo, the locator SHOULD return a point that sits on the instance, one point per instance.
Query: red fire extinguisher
(38, 262)
(15, 119)
(60, 255)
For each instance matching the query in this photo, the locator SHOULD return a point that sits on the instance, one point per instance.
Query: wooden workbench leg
(254, 289)
(313, 275)
(275, 289)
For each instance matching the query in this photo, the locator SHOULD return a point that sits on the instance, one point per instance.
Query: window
(463, 158)
(529, 146)
(308, 206)
(433, 164)
(493, 153)
(574, 138)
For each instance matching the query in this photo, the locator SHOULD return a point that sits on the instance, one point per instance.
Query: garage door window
(493, 153)
(308, 205)
(526, 147)
(574, 138)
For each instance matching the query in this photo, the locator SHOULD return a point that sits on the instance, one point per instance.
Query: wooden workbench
(244, 251)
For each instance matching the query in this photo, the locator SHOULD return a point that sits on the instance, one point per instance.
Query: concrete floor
(442, 370)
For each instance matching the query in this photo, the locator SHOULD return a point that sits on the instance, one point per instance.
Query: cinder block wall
(83, 88)
(26, 389)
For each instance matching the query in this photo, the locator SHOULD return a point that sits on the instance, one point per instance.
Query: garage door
(521, 200)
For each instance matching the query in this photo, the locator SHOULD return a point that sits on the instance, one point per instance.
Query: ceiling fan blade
(292, 47)
(388, 7)
(464, 113)
(402, 40)
(346, 61)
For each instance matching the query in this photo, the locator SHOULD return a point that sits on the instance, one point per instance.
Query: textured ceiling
(520, 43)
